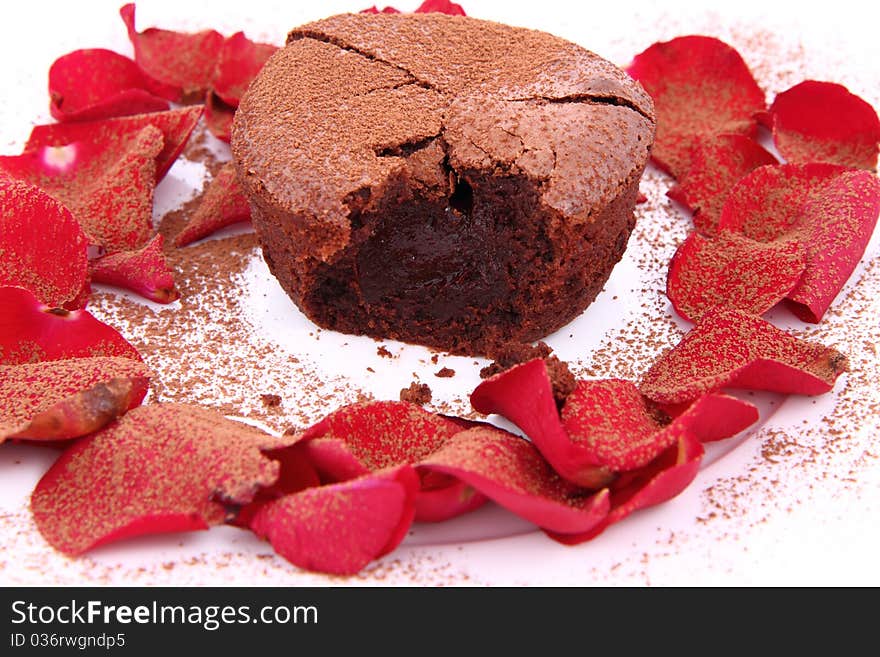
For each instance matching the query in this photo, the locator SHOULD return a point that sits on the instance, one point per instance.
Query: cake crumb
(417, 393)
(382, 351)
(561, 377)
(445, 373)
(271, 401)
(514, 353)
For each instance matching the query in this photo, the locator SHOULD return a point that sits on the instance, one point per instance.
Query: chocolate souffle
(441, 180)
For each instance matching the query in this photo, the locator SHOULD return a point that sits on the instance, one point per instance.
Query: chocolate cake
(441, 180)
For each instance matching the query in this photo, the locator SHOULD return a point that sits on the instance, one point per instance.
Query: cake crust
(441, 180)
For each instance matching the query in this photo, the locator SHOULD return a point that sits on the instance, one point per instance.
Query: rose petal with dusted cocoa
(362, 438)
(841, 221)
(830, 210)
(733, 272)
(610, 423)
(31, 331)
(375, 10)
(239, 61)
(767, 203)
(701, 88)
(511, 471)
(716, 165)
(332, 458)
(160, 468)
(340, 528)
(440, 497)
(732, 349)
(605, 426)
(116, 133)
(714, 416)
(219, 117)
(62, 399)
(181, 61)
(824, 122)
(524, 395)
(658, 482)
(296, 473)
(385, 433)
(43, 247)
(107, 186)
(144, 271)
(95, 83)
(440, 6)
(223, 204)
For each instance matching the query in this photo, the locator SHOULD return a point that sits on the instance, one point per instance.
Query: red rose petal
(144, 271)
(428, 6)
(440, 497)
(223, 204)
(296, 473)
(362, 438)
(658, 482)
(701, 88)
(386, 433)
(605, 426)
(44, 249)
(715, 416)
(239, 62)
(375, 10)
(160, 468)
(610, 423)
(332, 459)
(716, 165)
(733, 272)
(512, 472)
(108, 187)
(830, 210)
(61, 399)
(31, 331)
(841, 222)
(218, 117)
(441, 7)
(823, 122)
(176, 126)
(524, 395)
(766, 204)
(737, 350)
(91, 84)
(340, 528)
(183, 62)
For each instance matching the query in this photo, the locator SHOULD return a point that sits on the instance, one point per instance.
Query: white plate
(793, 501)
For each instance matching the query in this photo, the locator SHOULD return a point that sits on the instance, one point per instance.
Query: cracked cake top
(354, 100)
